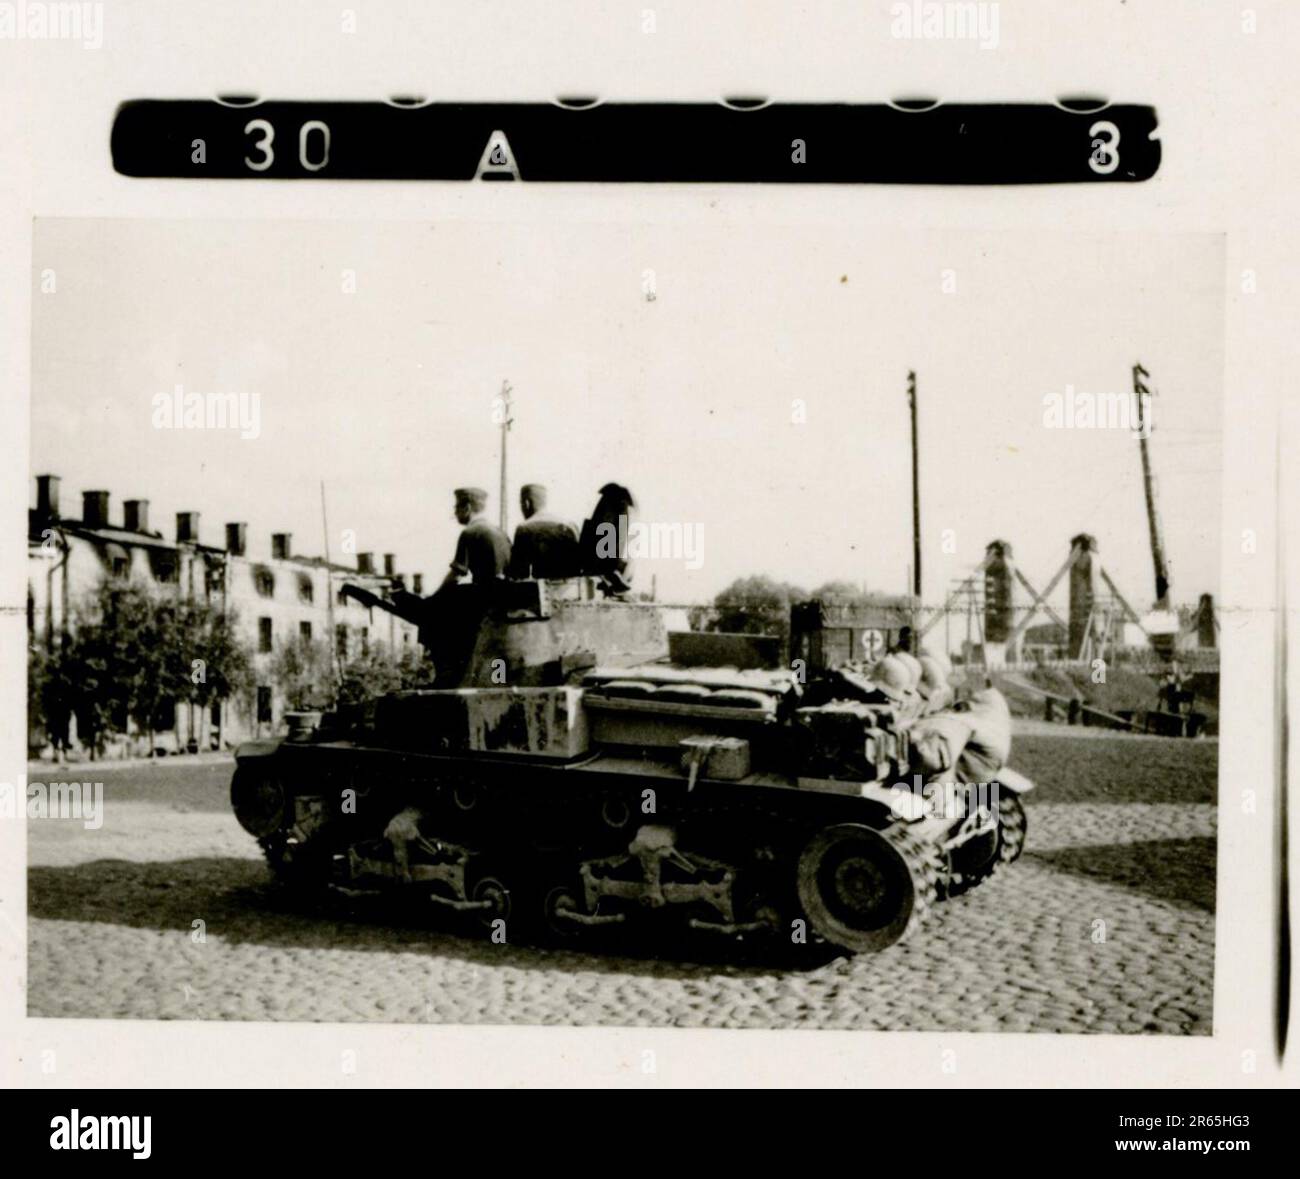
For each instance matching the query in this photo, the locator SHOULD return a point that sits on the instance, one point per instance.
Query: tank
(603, 767)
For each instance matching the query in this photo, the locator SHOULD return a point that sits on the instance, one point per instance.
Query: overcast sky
(387, 393)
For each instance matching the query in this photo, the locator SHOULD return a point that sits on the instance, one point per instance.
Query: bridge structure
(990, 616)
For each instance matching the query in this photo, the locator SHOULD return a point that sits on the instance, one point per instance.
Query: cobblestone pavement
(1105, 925)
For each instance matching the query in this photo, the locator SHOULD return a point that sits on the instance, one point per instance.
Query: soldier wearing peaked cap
(482, 550)
(545, 546)
(454, 613)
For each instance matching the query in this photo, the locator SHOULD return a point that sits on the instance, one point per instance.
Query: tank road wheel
(498, 897)
(559, 900)
(864, 889)
(300, 869)
(615, 813)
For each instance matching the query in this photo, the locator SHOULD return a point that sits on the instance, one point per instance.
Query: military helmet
(891, 676)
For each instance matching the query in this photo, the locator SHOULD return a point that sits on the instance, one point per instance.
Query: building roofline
(121, 536)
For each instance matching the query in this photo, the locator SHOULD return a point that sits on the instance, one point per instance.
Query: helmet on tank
(892, 677)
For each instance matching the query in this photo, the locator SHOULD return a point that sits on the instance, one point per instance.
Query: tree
(377, 670)
(49, 700)
(302, 670)
(754, 605)
(847, 593)
(219, 663)
(129, 657)
(110, 668)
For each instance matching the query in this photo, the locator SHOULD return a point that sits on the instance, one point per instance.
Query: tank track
(929, 869)
(1013, 826)
(1013, 830)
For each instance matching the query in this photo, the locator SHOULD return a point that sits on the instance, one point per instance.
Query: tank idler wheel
(261, 804)
(864, 889)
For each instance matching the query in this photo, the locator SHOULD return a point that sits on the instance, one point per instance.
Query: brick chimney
(47, 497)
(135, 515)
(187, 527)
(365, 562)
(417, 583)
(94, 509)
(236, 539)
(281, 549)
(390, 565)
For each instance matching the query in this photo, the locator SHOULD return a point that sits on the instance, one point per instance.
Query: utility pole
(1143, 396)
(506, 421)
(916, 497)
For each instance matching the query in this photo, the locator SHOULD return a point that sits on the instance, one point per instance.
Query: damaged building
(275, 596)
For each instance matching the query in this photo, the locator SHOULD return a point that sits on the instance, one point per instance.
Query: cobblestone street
(1105, 925)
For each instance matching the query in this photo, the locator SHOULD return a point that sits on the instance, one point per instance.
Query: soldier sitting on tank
(453, 614)
(545, 546)
(603, 542)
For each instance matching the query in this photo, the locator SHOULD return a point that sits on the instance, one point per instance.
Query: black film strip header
(740, 141)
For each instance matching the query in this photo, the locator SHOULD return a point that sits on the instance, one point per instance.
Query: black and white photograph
(470, 627)
(599, 546)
